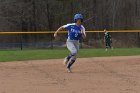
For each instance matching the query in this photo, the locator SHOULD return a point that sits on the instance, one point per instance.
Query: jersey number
(76, 35)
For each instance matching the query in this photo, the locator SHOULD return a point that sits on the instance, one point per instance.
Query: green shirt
(107, 37)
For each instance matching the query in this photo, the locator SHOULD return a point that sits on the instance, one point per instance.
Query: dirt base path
(90, 75)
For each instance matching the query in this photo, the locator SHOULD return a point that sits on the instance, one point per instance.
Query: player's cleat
(106, 49)
(69, 70)
(65, 61)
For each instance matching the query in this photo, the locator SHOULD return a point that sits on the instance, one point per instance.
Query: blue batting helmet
(78, 16)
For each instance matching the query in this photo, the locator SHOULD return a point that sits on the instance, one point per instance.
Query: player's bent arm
(59, 29)
(83, 32)
(83, 36)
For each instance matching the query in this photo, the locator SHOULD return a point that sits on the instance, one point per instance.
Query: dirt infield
(90, 75)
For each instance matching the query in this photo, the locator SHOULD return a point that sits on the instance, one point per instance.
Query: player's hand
(84, 37)
(55, 35)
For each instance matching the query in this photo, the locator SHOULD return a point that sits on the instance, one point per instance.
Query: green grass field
(19, 55)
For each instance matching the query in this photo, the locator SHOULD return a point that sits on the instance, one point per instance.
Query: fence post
(138, 39)
(51, 41)
(21, 42)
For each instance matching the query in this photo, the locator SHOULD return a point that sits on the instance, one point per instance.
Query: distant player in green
(107, 40)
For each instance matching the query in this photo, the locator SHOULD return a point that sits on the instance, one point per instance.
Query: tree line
(48, 15)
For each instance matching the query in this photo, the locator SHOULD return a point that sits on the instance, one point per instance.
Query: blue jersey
(74, 32)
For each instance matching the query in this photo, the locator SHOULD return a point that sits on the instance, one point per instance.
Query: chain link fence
(45, 41)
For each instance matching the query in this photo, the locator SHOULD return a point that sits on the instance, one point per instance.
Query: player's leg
(66, 60)
(109, 45)
(73, 58)
(71, 47)
(106, 44)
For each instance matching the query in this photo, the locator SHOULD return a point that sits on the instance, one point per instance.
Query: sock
(70, 63)
(68, 57)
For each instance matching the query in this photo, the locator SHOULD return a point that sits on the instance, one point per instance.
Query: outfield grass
(19, 55)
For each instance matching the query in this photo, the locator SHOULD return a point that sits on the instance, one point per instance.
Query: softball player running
(75, 32)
